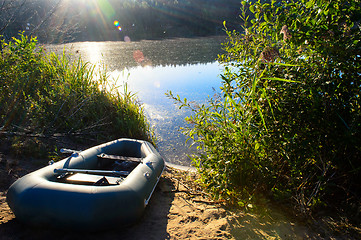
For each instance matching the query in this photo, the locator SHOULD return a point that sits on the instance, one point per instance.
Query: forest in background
(58, 21)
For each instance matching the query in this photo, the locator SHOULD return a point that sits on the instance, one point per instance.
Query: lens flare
(116, 23)
(120, 28)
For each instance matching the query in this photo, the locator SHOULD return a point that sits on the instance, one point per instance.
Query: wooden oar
(89, 171)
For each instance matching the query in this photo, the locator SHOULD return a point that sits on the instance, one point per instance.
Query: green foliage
(47, 94)
(288, 121)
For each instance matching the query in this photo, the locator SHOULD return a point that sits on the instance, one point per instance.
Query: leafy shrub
(46, 94)
(288, 121)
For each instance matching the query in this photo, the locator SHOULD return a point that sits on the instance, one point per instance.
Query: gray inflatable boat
(107, 186)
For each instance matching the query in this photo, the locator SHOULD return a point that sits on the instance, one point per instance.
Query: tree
(10, 9)
(66, 20)
(48, 20)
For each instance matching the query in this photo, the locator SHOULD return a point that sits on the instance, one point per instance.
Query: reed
(287, 122)
(47, 95)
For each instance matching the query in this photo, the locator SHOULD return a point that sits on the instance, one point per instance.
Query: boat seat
(91, 179)
(117, 163)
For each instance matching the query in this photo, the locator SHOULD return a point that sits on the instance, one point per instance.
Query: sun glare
(93, 53)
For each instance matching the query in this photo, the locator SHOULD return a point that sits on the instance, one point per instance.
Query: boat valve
(147, 175)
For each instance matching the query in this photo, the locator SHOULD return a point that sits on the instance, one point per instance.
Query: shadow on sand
(152, 225)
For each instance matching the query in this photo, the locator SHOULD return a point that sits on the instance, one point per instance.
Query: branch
(12, 18)
(52, 11)
(40, 135)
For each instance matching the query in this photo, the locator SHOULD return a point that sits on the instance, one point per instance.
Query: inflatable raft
(102, 187)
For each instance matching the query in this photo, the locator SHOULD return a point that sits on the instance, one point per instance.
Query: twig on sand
(180, 178)
(207, 202)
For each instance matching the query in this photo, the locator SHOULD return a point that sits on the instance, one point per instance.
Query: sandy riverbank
(176, 211)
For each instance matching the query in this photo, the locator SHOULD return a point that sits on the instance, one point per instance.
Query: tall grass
(48, 95)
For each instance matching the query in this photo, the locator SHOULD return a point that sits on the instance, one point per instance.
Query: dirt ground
(177, 210)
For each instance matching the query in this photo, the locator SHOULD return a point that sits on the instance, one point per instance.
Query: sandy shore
(177, 210)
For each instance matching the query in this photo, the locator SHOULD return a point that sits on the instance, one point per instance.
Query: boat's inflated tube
(39, 198)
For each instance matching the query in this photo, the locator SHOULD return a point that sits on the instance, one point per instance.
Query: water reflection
(119, 55)
(193, 81)
(187, 67)
(93, 52)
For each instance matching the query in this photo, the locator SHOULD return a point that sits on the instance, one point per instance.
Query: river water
(150, 68)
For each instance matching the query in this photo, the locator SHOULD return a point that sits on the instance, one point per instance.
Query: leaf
(261, 115)
(280, 79)
(266, 17)
(310, 4)
(251, 8)
(284, 64)
(269, 102)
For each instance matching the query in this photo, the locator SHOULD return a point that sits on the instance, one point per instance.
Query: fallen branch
(208, 202)
(189, 190)
(40, 135)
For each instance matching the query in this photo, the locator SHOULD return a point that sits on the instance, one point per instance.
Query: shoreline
(181, 167)
(178, 209)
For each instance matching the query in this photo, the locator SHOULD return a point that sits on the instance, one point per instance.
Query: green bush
(46, 94)
(287, 123)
